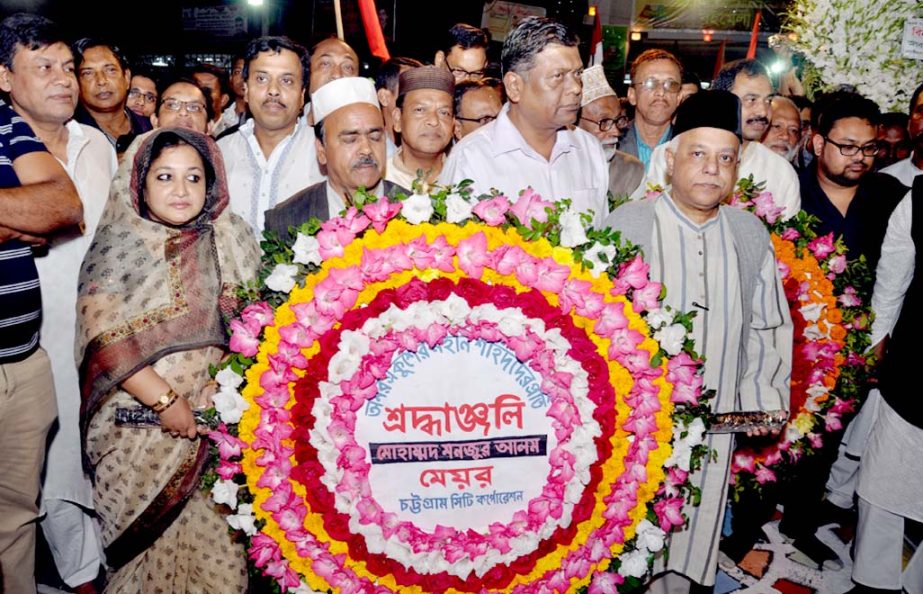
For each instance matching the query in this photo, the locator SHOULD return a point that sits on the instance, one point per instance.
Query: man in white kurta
(891, 472)
(718, 262)
(272, 156)
(529, 144)
(90, 162)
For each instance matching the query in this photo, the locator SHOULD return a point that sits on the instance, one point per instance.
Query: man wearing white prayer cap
(350, 142)
(601, 115)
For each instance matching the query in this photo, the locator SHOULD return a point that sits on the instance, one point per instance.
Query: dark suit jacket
(308, 203)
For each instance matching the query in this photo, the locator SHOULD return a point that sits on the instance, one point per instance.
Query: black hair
(464, 87)
(82, 45)
(206, 95)
(276, 44)
(728, 73)
(801, 102)
(915, 97)
(529, 38)
(148, 73)
(30, 31)
(221, 74)
(840, 105)
(171, 138)
(465, 36)
(896, 119)
(390, 72)
(691, 78)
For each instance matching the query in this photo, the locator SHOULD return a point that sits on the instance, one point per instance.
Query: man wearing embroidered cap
(425, 117)
(350, 142)
(601, 115)
(716, 260)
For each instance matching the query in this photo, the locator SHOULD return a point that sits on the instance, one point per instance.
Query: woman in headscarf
(156, 290)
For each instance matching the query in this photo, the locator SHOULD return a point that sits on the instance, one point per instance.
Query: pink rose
(822, 246)
(606, 583)
(766, 208)
(381, 212)
(530, 206)
(670, 513)
(837, 264)
(791, 234)
(764, 475)
(261, 313)
(493, 211)
(245, 337)
(472, 255)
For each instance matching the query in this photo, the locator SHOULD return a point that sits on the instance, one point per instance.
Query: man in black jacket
(350, 140)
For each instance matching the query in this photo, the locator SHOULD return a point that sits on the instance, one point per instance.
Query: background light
(636, 35)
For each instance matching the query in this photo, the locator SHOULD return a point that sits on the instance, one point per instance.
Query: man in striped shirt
(36, 199)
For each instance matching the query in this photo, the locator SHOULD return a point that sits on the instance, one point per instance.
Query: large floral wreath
(393, 284)
(856, 43)
(830, 307)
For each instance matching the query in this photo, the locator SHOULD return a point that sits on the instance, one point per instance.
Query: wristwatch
(164, 401)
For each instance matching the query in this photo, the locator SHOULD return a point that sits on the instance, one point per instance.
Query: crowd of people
(131, 207)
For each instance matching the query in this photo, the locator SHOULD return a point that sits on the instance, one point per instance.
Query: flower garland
(397, 281)
(829, 303)
(858, 44)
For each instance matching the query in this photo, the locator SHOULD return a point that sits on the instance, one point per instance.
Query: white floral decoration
(858, 43)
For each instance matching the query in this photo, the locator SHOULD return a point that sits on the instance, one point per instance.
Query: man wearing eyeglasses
(656, 79)
(601, 115)
(465, 53)
(532, 143)
(142, 94)
(477, 103)
(853, 202)
(749, 80)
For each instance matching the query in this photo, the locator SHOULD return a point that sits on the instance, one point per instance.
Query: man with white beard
(784, 133)
(601, 115)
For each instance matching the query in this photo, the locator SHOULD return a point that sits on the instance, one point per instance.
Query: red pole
(754, 35)
(373, 29)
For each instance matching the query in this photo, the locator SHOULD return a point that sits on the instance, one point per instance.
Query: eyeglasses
(606, 124)
(462, 73)
(148, 97)
(652, 84)
(190, 106)
(483, 120)
(848, 150)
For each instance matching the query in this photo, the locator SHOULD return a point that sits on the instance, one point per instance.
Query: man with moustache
(907, 169)
(749, 80)
(531, 142)
(722, 262)
(351, 144)
(104, 79)
(784, 134)
(656, 80)
(272, 155)
(37, 200)
(853, 202)
(424, 116)
(386, 84)
(90, 162)
(601, 115)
